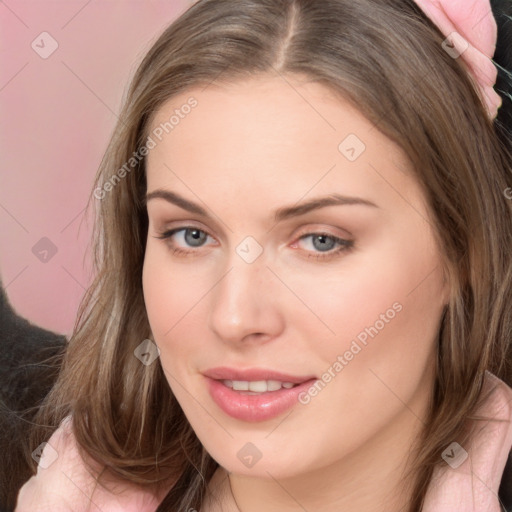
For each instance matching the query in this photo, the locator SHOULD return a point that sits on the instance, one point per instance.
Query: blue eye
(192, 236)
(324, 245)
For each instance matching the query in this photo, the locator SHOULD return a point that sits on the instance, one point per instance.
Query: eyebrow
(280, 214)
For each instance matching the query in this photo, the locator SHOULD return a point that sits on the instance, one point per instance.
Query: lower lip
(254, 408)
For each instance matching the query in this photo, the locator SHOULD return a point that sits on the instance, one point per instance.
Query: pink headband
(471, 31)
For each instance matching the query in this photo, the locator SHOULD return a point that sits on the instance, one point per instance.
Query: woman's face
(261, 276)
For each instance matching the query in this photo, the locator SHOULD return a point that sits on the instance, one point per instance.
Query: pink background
(56, 118)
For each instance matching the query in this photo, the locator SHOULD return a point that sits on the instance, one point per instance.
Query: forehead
(280, 133)
(303, 114)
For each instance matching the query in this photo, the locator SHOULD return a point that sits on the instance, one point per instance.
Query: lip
(254, 408)
(225, 373)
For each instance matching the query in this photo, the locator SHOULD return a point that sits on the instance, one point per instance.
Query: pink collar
(473, 485)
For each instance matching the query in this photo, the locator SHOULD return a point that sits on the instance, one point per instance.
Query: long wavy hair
(383, 56)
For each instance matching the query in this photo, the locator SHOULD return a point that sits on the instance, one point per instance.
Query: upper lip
(254, 374)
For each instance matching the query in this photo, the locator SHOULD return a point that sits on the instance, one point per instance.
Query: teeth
(240, 385)
(258, 386)
(273, 385)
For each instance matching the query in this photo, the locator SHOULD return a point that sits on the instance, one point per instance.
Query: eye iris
(197, 237)
(326, 242)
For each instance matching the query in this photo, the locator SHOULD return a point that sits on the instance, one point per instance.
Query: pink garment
(474, 21)
(473, 486)
(66, 486)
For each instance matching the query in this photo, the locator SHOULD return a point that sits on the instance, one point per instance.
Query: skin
(247, 149)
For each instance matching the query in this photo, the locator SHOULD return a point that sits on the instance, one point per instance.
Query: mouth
(257, 387)
(255, 394)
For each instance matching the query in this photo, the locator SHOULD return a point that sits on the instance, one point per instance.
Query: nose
(245, 304)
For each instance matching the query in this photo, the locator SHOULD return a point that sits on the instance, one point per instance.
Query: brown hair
(386, 58)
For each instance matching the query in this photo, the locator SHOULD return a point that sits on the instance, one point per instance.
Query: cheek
(383, 311)
(156, 292)
(168, 292)
(378, 366)
(368, 289)
(174, 296)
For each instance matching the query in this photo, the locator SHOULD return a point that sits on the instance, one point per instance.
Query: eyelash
(344, 245)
